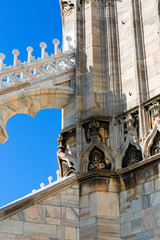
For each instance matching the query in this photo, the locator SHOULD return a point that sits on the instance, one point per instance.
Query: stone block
(136, 205)
(155, 198)
(70, 223)
(84, 213)
(60, 231)
(157, 184)
(53, 221)
(158, 219)
(72, 214)
(11, 226)
(94, 185)
(148, 187)
(157, 232)
(136, 226)
(139, 214)
(25, 237)
(52, 201)
(7, 236)
(125, 229)
(69, 201)
(146, 201)
(70, 233)
(139, 190)
(88, 221)
(39, 229)
(89, 232)
(84, 201)
(127, 218)
(100, 207)
(70, 191)
(145, 235)
(125, 208)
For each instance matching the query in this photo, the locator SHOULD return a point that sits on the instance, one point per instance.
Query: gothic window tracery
(97, 160)
(132, 156)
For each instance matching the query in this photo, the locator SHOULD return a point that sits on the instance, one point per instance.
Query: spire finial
(15, 52)
(56, 42)
(29, 50)
(43, 46)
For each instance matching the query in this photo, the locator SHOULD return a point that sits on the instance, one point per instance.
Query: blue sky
(29, 155)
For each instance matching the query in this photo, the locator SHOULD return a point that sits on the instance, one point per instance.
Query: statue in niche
(132, 156)
(156, 145)
(97, 160)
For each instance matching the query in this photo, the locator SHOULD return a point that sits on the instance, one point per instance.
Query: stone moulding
(84, 159)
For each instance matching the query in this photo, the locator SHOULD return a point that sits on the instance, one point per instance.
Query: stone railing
(35, 69)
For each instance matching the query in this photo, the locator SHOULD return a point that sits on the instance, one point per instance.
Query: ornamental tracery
(132, 156)
(97, 160)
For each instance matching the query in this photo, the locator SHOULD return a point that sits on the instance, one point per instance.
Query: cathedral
(106, 80)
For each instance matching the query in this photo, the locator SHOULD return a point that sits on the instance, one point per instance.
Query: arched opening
(97, 160)
(132, 156)
(28, 157)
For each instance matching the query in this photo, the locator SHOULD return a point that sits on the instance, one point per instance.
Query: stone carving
(97, 160)
(34, 69)
(156, 145)
(96, 155)
(96, 130)
(151, 140)
(66, 156)
(132, 156)
(130, 129)
(67, 7)
(129, 132)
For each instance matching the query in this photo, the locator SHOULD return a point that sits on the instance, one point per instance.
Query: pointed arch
(123, 150)
(84, 159)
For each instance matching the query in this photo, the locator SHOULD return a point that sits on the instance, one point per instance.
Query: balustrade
(34, 69)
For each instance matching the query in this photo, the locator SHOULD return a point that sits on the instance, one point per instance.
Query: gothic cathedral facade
(107, 81)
